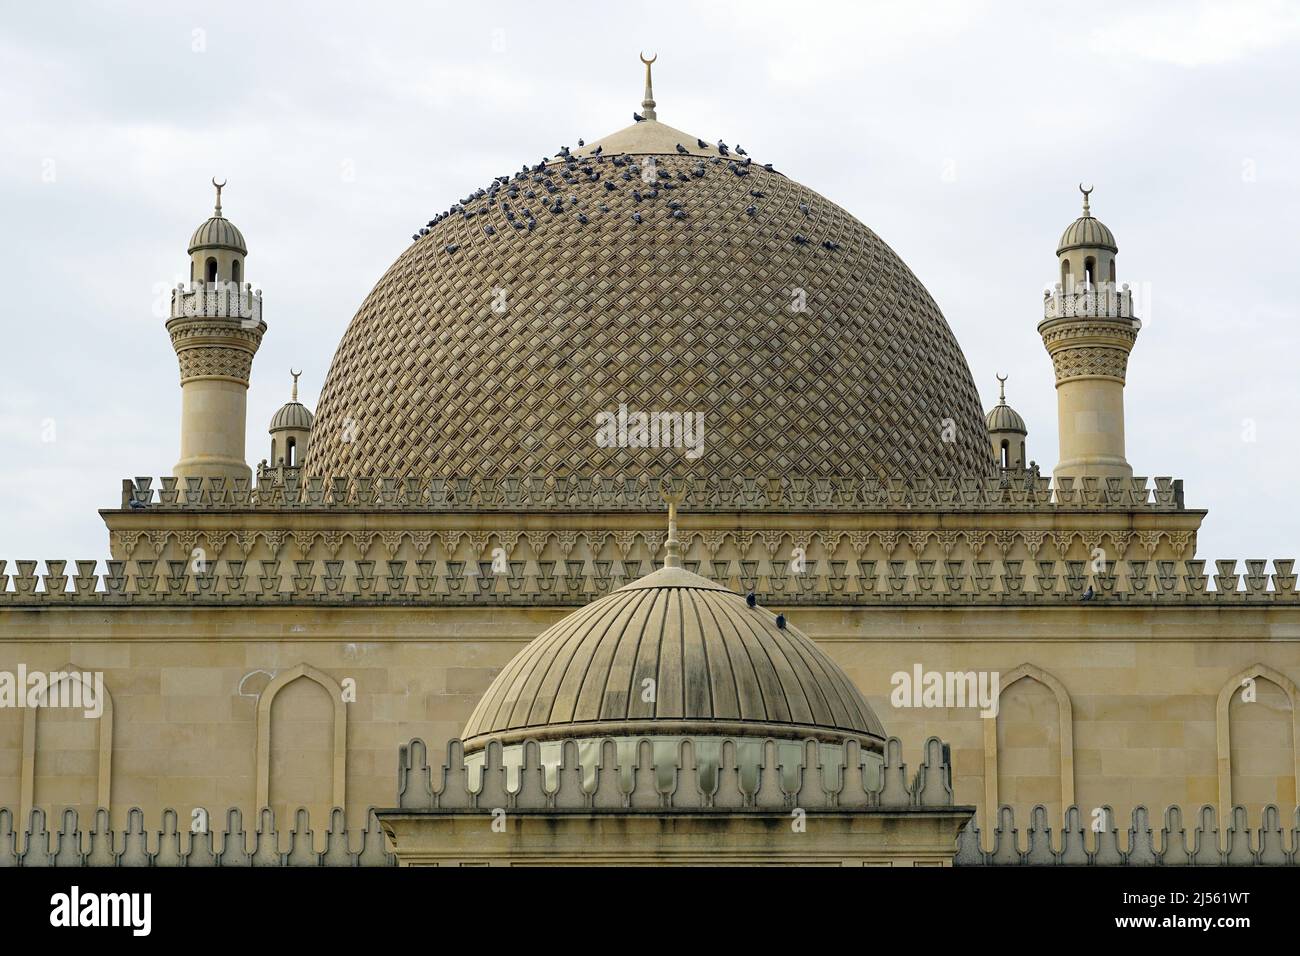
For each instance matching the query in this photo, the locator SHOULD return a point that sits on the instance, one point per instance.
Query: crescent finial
(220, 186)
(648, 103)
(1086, 193)
(295, 373)
(1002, 388)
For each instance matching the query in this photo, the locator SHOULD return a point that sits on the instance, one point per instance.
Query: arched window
(1065, 274)
(234, 272)
(211, 268)
(274, 444)
(1089, 271)
(1006, 454)
(1022, 454)
(1112, 271)
(289, 447)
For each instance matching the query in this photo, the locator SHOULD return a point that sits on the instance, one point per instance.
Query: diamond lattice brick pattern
(685, 315)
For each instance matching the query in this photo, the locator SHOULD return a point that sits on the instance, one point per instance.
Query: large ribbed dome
(494, 341)
(718, 667)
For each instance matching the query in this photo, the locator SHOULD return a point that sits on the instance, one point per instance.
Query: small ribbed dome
(1087, 231)
(1003, 418)
(292, 415)
(719, 668)
(218, 233)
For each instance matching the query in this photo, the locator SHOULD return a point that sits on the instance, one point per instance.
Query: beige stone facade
(268, 642)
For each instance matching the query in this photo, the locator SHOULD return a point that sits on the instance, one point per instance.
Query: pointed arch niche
(103, 747)
(1223, 728)
(1065, 718)
(339, 738)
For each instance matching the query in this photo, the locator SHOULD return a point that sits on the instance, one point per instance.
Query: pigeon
(137, 505)
(415, 236)
(609, 187)
(602, 207)
(739, 151)
(768, 167)
(580, 142)
(679, 214)
(750, 599)
(1089, 594)
(803, 208)
(598, 150)
(703, 145)
(489, 231)
(583, 219)
(682, 149)
(756, 193)
(451, 247)
(780, 622)
(636, 195)
(751, 210)
(722, 148)
(638, 117)
(832, 246)
(636, 217)
(800, 239)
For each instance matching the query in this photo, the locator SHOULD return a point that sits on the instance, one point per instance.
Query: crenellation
(285, 489)
(1138, 844)
(530, 578)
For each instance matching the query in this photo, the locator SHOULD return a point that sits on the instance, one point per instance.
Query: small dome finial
(648, 104)
(220, 186)
(294, 396)
(673, 547)
(1002, 388)
(1086, 192)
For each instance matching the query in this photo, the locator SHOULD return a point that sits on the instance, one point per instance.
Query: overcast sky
(957, 131)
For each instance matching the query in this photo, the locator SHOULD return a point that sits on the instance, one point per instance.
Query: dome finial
(673, 554)
(1086, 192)
(220, 185)
(1002, 388)
(294, 397)
(648, 104)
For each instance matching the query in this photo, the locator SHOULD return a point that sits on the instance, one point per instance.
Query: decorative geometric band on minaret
(1089, 348)
(215, 348)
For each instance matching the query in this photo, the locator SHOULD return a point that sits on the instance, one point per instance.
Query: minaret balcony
(1102, 301)
(217, 300)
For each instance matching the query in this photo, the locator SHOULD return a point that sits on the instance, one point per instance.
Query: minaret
(216, 327)
(1089, 329)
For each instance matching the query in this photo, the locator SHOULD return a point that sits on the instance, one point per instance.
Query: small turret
(1007, 432)
(290, 430)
